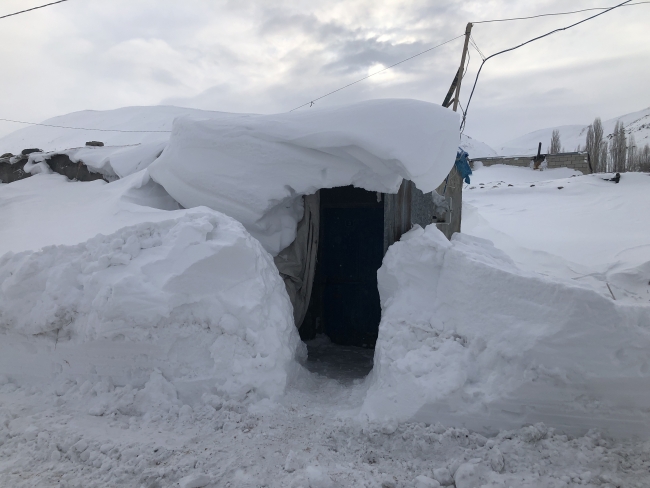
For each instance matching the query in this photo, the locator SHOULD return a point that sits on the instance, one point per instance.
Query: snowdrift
(110, 161)
(133, 137)
(254, 168)
(182, 302)
(468, 339)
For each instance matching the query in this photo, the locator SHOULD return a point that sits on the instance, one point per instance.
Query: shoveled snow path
(311, 439)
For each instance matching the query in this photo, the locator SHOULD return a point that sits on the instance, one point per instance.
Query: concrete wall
(574, 160)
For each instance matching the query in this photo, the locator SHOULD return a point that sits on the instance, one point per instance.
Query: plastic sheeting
(297, 263)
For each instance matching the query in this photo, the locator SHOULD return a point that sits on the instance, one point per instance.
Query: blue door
(350, 253)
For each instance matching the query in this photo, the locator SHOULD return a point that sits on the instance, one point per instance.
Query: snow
(47, 210)
(476, 148)
(180, 302)
(636, 123)
(128, 147)
(123, 153)
(155, 118)
(306, 439)
(256, 168)
(570, 227)
(455, 348)
(143, 344)
(112, 162)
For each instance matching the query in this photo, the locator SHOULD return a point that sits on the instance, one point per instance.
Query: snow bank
(49, 209)
(254, 168)
(184, 303)
(467, 338)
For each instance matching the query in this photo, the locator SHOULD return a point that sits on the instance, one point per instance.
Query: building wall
(574, 160)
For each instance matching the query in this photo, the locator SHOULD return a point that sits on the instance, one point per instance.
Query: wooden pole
(461, 70)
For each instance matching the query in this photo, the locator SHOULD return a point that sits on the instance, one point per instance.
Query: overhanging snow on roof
(255, 168)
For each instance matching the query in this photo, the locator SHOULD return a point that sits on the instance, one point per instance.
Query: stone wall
(574, 160)
(58, 163)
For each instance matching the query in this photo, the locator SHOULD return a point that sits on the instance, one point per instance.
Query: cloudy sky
(271, 56)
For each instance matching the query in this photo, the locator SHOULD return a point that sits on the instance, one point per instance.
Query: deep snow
(255, 168)
(578, 228)
(148, 345)
(468, 339)
(187, 295)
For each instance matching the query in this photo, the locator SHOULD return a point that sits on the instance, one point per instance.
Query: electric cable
(82, 128)
(30, 9)
(462, 125)
(553, 14)
(311, 102)
(475, 45)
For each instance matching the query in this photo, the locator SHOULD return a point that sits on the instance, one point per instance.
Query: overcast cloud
(265, 57)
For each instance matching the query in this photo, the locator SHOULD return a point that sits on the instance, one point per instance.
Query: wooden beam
(468, 32)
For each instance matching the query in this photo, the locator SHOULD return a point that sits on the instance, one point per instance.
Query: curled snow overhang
(255, 168)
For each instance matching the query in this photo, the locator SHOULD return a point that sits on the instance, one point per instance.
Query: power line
(553, 14)
(475, 46)
(83, 128)
(30, 9)
(462, 125)
(310, 103)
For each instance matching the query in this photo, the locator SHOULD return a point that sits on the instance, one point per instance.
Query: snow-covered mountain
(636, 123)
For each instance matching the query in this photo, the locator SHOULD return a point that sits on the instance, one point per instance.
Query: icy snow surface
(255, 167)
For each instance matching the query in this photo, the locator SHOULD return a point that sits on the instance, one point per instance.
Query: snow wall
(255, 168)
(467, 339)
(182, 302)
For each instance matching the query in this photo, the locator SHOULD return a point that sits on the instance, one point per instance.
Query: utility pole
(452, 187)
(461, 70)
(454, 89)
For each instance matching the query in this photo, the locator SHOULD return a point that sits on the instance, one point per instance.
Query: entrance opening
(344, 304)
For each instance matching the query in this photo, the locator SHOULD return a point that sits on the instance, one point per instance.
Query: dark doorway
(345, 302)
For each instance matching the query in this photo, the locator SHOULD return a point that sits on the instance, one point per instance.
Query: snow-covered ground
(148, 345)
(565, 225)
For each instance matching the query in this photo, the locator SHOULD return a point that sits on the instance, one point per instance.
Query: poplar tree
(556, 145)
(596, 147)
(618, 148)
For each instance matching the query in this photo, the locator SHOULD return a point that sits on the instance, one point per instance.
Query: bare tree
(596, 147)
(618, 148)
(556, 145)
(603, 158)
(644, 159)
(590, 148)
(632, 160)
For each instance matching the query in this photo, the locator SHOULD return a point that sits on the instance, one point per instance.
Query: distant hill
(637, 123)
(153, 118)
(476, 148)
